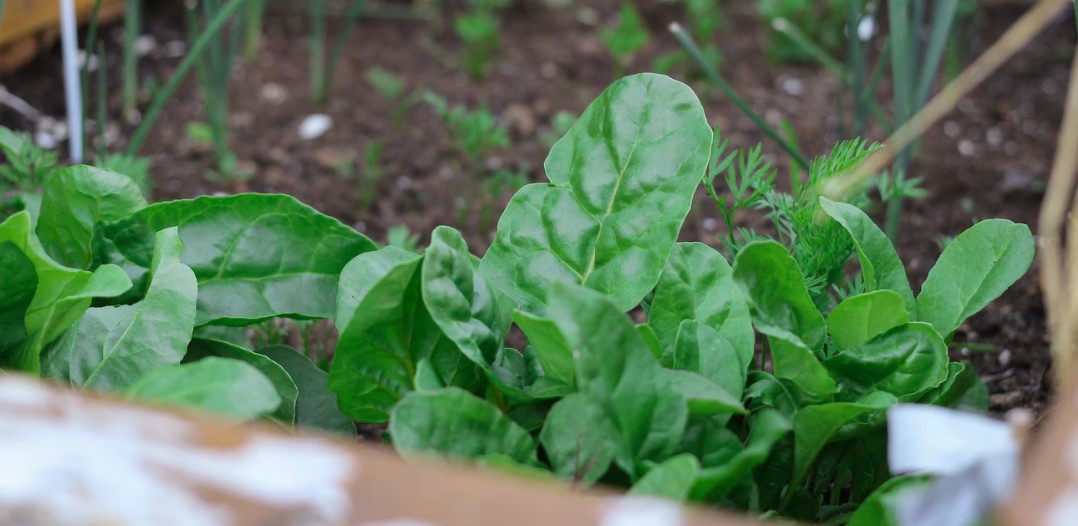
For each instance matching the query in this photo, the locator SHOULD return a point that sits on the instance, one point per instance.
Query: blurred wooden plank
(1047, 492)
(31, 26)
(71, 458)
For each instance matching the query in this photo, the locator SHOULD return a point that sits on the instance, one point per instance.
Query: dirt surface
(988, 159)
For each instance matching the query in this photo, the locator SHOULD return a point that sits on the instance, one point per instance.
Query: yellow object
(29, 26)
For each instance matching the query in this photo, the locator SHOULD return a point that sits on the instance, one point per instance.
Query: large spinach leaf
(621, 184)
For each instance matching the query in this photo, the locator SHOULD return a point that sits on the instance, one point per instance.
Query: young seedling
(559, 126)
(625, 38)
(479, 33)
(402, 237)
(704, 19)
(392, 88)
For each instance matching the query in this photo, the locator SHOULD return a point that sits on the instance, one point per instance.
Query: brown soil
(989, 159)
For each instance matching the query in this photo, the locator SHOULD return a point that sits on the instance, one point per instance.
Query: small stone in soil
(315, 126)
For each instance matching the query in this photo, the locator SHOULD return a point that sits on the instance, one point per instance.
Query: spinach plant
(478, 31)
(625, 38)
(681, 405)
(640, 365)
(474, 135)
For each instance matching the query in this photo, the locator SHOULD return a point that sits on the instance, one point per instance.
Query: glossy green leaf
(672, 479)
(228, 387)
(426, 377)
(701, 349)
(579, 439)
(75, 200)
(454, 423)
(650, 339)
(704, 396)
(783, 310)
(906, 362)
(282, 382)
(384, 331)
(710, 440)
(256, 256)
(616, 371)
(768, 427)
(316, 405)
(860, 318)
(462, 303)
(18, 281)
(878, 508)
(963, 389)
(551, 349)
(776, 292)
(976, 268)
(881, 267)
(622, 181)
(698, 284)
(816, 424)
(62, 295)
(151, 334)
(77, 353)
(800, 366)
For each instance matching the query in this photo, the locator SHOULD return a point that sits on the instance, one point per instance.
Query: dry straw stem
(1059, 266)
(1010, 43)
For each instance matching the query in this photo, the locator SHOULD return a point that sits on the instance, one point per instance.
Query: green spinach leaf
(78, 198)
(256, 256)
(621, 184)
(282, 382)
(860, 318)
(229, 387)
(974, 269)
(316, 405)
(457, 424)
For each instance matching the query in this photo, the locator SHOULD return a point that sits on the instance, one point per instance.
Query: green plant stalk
(355, 10)
(2, 2)
(792, 32)
(318, 50)
(690, 46)
(902, 58)
(102, 100)
(856, 50)
(132, 23)
(942, 22)
(256, 10)
(912, 90)
(84, 74)
(205, 36)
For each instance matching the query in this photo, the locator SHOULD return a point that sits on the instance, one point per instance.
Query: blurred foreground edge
(72, 458)
(1047, 490)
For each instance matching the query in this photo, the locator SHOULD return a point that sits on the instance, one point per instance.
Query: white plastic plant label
(974, 457)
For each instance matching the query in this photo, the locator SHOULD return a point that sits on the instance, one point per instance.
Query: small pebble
(315, 126)
(794, 87)
(966, 148)
(1004, 357)
(866, 28)
(587, 16)
(994, 136)
(175, 48)
(710, 224)
(952, 129)
(144, 45)
(273, 93)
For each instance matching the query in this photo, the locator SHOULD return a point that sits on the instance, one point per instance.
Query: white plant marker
(72, 93)
(975, 459)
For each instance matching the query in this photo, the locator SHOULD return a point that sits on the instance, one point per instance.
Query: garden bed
(988, 159)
